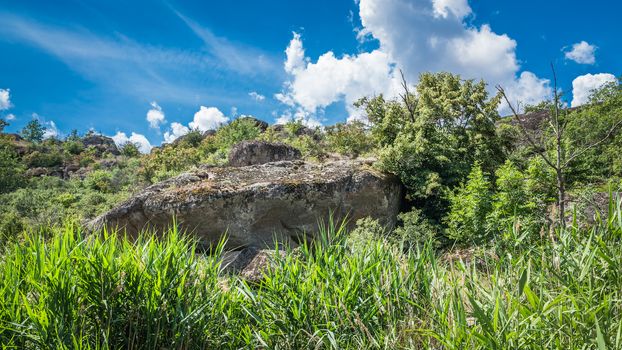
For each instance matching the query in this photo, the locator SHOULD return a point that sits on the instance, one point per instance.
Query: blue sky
(108, 65)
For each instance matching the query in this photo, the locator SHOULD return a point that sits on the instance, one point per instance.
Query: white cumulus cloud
(416, 36)
(583, 86)
(295, 55)
(10, 117)
(316, 85)
(155, 116)
(177, 130)
(144, 146)
(582, 53)
(458, 8)
(528, 89)
(5, 99)
(208, 118)
(256, 96)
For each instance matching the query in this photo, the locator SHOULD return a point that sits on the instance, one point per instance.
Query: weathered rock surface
(250, 263)
(259, 152)
(101, 143)
(256, 205)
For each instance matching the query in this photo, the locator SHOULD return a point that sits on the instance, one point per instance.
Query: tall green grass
(77, 291)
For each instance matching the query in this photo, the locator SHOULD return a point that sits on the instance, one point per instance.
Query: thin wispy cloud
(237, 57)
(143, 71)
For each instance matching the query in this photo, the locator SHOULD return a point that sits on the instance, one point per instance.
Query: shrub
(469, 206)
(513, 202)
(46, 158)
(129, 149)
(168, 161)
(11, 168)
(415, 229)
(351, 139)
(100, 180)
(74, 147)
(431, 140)
(238, 130)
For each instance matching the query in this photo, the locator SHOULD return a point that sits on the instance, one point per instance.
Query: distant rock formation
(260, 152)
(101, 143)
(259, 205)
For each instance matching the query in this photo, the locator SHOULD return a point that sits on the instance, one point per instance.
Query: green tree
(432, 138)
(559, 151)
(3, 124)
(469, 207)
(33, 131)
(130, 149)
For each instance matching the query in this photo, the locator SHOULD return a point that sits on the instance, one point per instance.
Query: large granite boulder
(260, 152)
(259, 205)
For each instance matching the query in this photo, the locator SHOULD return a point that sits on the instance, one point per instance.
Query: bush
(74, 147)
(415, 229)
(514, 202)
(11, 168)
(46, 158)
(100, 180)
(238, 130)
(469, 207)
(351, 139)
(129, 149)
(168, 161)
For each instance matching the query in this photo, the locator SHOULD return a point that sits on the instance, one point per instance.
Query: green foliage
(130, 149)
(11, 168)
(33, 131)
(432, 150)
(516, 201)
(44, 157)
(73, 147)
(350, 138)
(99, 180)
(469, 207)
(238, 130)
(415, 229)
(589, 124)
(367, 230)
(193, 138)
(167, 161)
(3, 124)
(310, 144)
(74, 290)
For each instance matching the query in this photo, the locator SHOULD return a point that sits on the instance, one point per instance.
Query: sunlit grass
(79, 291)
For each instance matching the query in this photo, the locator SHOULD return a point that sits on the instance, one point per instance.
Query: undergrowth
(103, 291)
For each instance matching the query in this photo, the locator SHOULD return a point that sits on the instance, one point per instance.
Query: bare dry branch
(587, 148)
(524, 129)
(406, 98)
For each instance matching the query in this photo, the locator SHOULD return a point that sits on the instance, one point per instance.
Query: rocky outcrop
(259, 152)
(260, 124)
(101, 143)
(259, 205)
